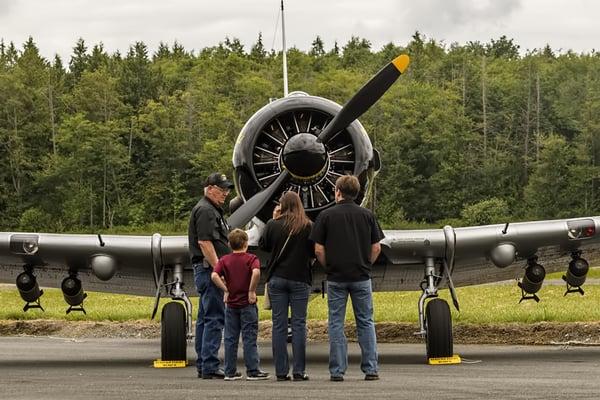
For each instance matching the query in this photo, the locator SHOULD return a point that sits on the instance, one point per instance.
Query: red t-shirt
(237, 270)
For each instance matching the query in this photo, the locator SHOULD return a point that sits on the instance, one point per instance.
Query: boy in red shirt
(241, 271)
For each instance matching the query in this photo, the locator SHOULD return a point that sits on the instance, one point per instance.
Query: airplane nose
(304, 157)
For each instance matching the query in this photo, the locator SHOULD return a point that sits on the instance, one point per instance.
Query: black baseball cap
(218, 179)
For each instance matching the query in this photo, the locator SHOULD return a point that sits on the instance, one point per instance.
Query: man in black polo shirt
(346, 240)
(207, 235)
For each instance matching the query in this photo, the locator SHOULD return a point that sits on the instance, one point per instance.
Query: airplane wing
(106, 263)
(484, 254)
(481, 254)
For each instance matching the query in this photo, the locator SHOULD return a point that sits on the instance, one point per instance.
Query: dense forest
(471, 134)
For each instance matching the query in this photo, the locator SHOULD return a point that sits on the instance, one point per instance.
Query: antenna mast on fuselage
(285, 78)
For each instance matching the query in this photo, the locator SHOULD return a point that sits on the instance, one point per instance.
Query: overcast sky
(56, 24)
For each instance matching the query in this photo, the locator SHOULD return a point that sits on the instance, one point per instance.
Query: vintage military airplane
(303, 143)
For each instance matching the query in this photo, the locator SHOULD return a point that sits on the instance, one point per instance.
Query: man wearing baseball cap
(207, 236)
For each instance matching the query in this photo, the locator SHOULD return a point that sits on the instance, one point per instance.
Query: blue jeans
(245, 320)
(362, 304)
(285, 294)
(209, 324)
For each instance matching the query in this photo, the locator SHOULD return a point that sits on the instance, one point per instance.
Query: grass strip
(484, 304)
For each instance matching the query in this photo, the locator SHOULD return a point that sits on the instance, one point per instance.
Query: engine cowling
(282, 135)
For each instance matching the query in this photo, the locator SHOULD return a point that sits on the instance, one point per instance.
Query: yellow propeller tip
(401, 62)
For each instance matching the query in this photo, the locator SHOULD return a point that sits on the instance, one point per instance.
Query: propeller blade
(248, 210)
(365, 97)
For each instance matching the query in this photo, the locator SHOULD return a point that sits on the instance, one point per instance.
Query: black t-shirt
(207, 223)
(347, 231)
(294, 262)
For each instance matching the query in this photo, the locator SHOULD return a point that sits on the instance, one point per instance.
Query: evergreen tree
(79, 61)
(317, 48)
(137, 80)
(234, 46)
(162, 52)
(98, 59)
(178, 50)
(356, 53)
(258, 53)
(503, 47)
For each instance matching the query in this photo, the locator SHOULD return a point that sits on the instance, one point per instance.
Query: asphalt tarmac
(57, 368)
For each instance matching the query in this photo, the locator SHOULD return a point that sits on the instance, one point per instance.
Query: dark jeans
(209, 325)
(285, 294)
(244, 320)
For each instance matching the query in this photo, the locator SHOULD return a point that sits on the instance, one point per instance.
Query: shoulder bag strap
(272, 266)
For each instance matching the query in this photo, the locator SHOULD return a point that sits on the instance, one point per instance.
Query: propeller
(354, 108)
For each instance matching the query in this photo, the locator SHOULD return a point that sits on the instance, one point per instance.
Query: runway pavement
(56, 368)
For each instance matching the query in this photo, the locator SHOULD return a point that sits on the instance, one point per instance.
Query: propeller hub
(304, 157)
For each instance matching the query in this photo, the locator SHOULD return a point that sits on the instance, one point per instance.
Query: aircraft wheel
(438, 326)
(173, 343)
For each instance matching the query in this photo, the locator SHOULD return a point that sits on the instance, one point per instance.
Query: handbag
(267, 299)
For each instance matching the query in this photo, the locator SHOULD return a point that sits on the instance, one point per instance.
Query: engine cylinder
(577, 272)
(533, 278)
(72, 291)
(283, 136)
(28, 287)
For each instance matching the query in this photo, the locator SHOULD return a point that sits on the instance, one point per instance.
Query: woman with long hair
(289, 281)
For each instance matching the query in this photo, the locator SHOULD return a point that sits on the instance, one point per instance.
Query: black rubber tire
(438, 326)
(173, 342)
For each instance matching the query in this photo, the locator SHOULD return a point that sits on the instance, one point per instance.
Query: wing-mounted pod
(281, 136)
(576, 273)
(532, 280)
(73, 293)
(29, 289)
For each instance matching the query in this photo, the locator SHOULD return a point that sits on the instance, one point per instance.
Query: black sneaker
(300, 377)
(218, 374)
(371, 377)
(235, 377)
(258, 376)
(335, 378)
(281, 378)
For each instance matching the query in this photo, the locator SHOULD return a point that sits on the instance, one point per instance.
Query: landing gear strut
(176, 318)
(434, 318)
